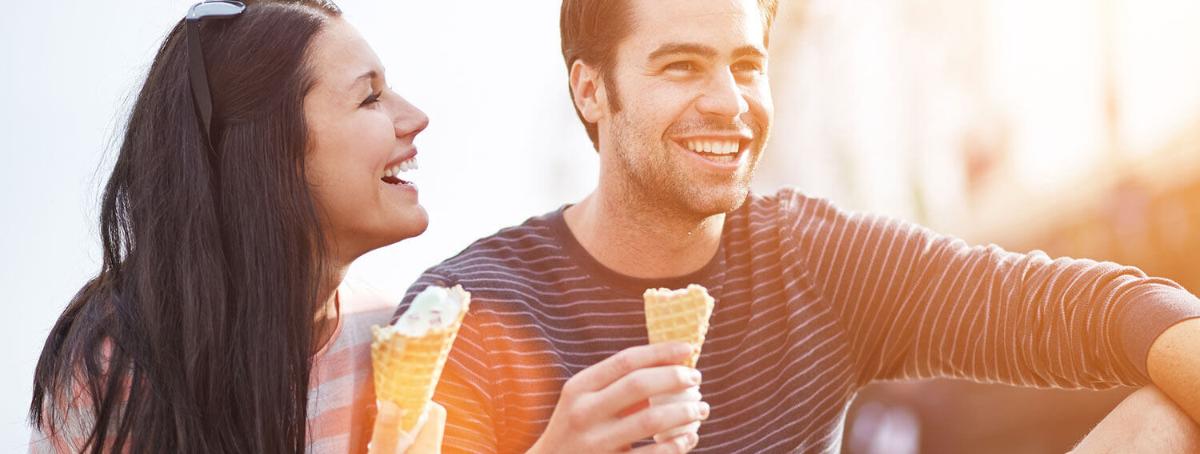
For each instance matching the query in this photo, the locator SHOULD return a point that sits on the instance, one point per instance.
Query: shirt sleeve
(69, 432)
(69, 417)
(916, 304)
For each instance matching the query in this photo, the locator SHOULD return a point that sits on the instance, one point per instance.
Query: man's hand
(604, 408)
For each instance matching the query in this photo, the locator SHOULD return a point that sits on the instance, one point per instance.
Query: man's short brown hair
(591, 30)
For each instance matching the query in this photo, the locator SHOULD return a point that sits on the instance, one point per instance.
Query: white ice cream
(434, 308)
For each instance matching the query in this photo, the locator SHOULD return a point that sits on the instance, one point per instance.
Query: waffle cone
(407, 368)
(679, 316)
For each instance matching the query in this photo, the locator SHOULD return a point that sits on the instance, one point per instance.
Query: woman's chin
(380, 233)
(414, 223)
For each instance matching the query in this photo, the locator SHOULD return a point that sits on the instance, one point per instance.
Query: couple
(220, 321)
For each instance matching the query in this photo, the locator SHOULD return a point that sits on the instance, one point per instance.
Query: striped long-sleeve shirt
(341, 396)
(812, 304)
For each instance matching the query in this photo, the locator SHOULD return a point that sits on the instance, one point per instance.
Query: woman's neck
(328, 313)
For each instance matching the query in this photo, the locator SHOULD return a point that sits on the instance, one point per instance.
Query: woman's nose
(409, 119)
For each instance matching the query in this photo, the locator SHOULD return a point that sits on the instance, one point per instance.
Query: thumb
(429, 439)
(387, 438)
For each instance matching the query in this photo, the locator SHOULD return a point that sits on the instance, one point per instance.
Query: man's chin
(712, 203)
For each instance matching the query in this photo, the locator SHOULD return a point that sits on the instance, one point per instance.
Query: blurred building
(1069, 126)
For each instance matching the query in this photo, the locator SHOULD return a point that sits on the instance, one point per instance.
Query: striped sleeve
(69, 432)
(70, 416)
(924, 305)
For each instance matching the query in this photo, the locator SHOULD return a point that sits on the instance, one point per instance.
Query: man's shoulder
(532, 239)
(784, 204)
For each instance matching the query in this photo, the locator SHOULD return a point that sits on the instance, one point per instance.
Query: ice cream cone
(408, 356)
(678, 316)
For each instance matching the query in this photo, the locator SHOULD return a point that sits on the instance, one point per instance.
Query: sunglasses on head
(197, 71)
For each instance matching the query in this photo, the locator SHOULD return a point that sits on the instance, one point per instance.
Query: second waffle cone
(679, 316)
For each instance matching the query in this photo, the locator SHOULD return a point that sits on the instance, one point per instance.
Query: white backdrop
(503, 143)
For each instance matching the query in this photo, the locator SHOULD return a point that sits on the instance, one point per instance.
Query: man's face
(695, 105)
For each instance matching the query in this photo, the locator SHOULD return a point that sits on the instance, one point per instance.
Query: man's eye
(372, 99)
(681, 66)
(748, 67)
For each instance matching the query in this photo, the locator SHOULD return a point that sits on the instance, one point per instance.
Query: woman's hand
(387, 438)
(603, 408)
(429, 439)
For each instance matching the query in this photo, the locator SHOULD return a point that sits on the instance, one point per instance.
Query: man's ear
(587, 87)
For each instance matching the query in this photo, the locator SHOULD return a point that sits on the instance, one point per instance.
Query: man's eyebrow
(749, 51)
(683, 48)
(704, 51)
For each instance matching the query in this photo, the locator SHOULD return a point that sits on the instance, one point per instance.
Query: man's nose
(723, 97)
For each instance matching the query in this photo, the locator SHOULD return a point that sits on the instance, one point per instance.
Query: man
(812, 302)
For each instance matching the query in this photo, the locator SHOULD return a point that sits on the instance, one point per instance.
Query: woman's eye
(372, 99)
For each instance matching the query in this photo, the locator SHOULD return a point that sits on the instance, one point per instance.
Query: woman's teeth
(392, 174)
(715, 150)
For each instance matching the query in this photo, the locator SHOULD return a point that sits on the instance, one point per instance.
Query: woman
(263, 155)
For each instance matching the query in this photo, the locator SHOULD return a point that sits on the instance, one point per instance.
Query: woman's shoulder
(361, 306)
(364, 302)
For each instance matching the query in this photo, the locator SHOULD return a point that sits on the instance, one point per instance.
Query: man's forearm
(1174, 365)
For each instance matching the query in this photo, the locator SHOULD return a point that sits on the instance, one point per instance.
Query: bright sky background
(502, 145)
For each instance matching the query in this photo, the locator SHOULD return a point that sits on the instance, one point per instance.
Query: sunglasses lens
(216, 9)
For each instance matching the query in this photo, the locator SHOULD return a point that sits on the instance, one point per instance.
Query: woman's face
(360, 146)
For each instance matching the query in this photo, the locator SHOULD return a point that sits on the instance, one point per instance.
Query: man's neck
(638, 240)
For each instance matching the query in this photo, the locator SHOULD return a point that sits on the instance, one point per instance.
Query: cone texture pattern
(679, 316)
(407, 368)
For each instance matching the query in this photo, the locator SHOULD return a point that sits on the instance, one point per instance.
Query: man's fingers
(638, 386)
(589, 409)
(604, 373)
(655, 419)
(677, 445)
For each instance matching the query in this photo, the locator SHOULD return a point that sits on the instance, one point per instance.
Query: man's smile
(726, 151)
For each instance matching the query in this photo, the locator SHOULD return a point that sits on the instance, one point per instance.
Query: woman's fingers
(429, 439)
(385, 436)
(388, 439)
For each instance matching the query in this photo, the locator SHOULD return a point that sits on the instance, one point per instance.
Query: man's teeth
(722, 147)
(405, 166)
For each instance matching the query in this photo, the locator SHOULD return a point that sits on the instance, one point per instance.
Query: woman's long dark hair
(197, 334)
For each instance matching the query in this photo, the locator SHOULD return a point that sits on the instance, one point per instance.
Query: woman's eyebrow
(368, 76)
